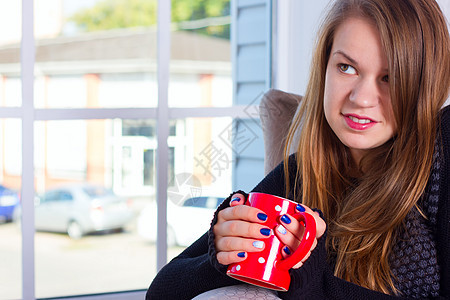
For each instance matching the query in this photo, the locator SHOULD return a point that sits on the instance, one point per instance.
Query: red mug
(268, 268)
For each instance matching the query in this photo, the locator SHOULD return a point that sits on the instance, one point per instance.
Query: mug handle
(305, 245)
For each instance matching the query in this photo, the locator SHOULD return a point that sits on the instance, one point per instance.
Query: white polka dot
(261, 260)
(238, 267)
(278, 208)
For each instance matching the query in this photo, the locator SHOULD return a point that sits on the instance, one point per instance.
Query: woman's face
(357, 102)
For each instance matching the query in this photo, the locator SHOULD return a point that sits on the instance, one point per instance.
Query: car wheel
(171, 237)
(74, 230)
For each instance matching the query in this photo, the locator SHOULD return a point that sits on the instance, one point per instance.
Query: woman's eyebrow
(351, 60)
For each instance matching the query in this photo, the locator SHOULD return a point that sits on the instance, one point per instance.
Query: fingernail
(237, 199)
(265, 231)
(281, 230)
(285, 219)
(258, 244)
(241, 254)
(300, 208)
(262, 216)
(286, 250)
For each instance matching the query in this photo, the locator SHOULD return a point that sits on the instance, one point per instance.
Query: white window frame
(163, 114)
(295, 28)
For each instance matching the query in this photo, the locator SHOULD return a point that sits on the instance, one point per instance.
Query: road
(94, 264)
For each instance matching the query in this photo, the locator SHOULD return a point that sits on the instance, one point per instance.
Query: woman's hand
(239, 229)
(290, 232)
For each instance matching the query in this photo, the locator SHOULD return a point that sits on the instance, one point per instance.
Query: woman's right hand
(239, 229)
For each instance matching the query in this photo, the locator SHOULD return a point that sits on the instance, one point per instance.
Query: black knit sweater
(420, 259)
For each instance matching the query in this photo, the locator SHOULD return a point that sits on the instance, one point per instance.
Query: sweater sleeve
(196, 269)
(193, 271)
(443, 213)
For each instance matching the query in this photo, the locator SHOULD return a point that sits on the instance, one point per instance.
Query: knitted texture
(414, 262)
(431, 202)
(414, 257)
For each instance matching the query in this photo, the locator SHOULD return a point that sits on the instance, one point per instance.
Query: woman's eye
(347, 69)
(385, 78)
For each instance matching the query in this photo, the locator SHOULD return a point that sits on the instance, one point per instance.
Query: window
(10, 194)
(97, 106)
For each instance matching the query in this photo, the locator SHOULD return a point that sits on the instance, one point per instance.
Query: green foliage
(111, 14)
(184, 10)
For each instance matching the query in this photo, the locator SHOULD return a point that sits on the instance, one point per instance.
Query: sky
(71, 6)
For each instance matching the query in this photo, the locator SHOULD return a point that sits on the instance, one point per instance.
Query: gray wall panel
(251, 46)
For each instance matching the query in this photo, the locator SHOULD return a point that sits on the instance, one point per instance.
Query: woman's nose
(365, 93)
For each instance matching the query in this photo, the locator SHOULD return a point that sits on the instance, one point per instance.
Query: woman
(373, 160)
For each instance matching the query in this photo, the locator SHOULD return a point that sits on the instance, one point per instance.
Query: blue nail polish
(237, 199)
(265, 231)
(241, 254)
(258, 244)
(286, 250)
(262, 216)
(300, 208)
(285, 219)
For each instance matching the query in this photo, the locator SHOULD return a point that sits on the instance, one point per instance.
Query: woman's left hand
(290, 233)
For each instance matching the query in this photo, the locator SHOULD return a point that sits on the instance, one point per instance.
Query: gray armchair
(277, 110)
(243, 291)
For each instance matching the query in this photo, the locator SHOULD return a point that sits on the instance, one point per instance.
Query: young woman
(373, 161)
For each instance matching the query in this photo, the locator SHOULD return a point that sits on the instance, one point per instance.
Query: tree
(111, 14)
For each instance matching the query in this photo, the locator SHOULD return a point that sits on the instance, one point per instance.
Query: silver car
(79, 209)
(186, 221)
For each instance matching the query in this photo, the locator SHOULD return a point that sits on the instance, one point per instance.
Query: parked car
(9, 201)
(78, 209)
(186, 222)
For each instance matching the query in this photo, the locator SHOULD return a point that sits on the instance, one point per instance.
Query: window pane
(103, 52)
(201, 178)
(10, 87)
(10, 233)
(93, 178)
(200, 67)
(205, 171)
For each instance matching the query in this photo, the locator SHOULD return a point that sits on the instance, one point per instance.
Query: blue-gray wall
(251, 37)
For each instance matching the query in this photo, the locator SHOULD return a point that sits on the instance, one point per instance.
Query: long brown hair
(364, 212)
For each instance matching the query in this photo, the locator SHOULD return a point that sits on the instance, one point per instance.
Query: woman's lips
(359, 123)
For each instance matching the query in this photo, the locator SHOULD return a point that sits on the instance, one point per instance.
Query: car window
(65, 196)
(203, 202)
(4, 191)
(97, 191)
(58, 195)
(195, 202)
(188, 202)
(50, 196)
